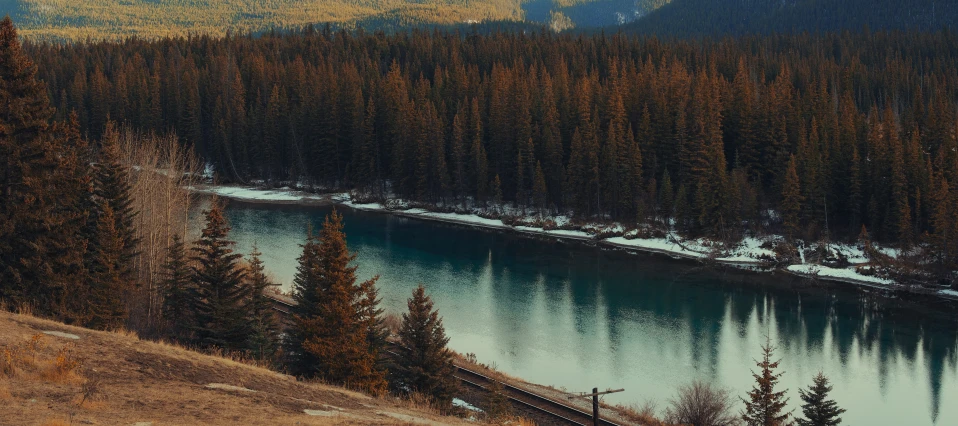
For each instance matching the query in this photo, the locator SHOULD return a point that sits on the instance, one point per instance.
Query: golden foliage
(117, 19)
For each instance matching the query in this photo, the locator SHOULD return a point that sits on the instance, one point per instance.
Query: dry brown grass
(125, 380)
(55, 422)
(5, 391)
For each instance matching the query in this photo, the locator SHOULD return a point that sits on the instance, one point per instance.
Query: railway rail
(560, 413)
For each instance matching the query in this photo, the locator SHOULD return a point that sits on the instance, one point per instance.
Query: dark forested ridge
(797, 133)
(720, 17)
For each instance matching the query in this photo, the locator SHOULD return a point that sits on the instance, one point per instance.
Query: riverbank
(753, 253)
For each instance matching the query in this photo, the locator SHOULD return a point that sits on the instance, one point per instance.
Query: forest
(831, 136)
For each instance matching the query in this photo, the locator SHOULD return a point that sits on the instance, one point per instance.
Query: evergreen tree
(220, 318)
(264, 339)
(32, 238)
(107, 284)
(764, 406)
(424, 364)
(496, 405)
(308, 292)
(817, 408)
(177, 288)
(478, 157)
(540, 193)
(666, 194)
(496, 186)
(791, 200)
(333, 325)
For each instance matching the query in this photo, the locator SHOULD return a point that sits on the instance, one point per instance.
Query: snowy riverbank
(752, 252)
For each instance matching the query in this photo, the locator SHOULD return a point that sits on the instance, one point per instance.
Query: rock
(62, 334)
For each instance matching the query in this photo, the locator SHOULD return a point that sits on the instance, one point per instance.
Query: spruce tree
(496, 187)
(177, 288)
(221, 291)
(817, 408)
(540, 193)
(333, 326)
(666, 198)
(107, 284)
(423, 363)
(791, 200)
(496, 404)
(264, 339)
(111, 247)
(765, 406)
(309, 293)
(31, 235)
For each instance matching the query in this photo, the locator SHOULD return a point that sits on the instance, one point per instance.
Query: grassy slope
(78, 19)
(115, 19)
(142, 381)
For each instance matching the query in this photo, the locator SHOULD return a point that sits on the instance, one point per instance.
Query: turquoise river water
(576, 317)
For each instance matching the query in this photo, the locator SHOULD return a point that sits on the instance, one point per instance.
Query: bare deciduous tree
(161, 171)
(701, 404)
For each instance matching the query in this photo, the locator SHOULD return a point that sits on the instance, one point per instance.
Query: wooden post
(595, 406)
(595, 401)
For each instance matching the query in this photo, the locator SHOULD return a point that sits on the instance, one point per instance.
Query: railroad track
(562, 413)
(565, 414)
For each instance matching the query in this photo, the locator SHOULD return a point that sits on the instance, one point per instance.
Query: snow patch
(950, 293)
(226, 387)
(460, 403)
(62, 334)
(841, 274)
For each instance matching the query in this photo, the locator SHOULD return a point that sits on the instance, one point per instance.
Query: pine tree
(540, 193)
(496, 186)
(791, 200)
(817, 408)
(308, 294)
(332, 324)
(666, 195)
(221, 291)
(112, 186)
(496, 404)
(107, 285)
(264, 339)
(764, 406)
(423, 363)
(177, 288)
(30, 229)
(478, 157)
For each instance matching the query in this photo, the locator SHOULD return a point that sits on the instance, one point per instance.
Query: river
(577, 317)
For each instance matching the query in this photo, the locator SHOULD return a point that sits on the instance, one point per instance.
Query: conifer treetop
(817, 408)
(765, 406)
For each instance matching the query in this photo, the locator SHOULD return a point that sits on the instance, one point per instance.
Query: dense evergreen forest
(810, 136)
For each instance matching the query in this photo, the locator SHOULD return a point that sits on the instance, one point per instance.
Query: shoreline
(744, 258)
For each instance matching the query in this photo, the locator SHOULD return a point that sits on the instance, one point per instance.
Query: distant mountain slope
(98, 19)
(719, 17)
(591, 13)
(78, 19)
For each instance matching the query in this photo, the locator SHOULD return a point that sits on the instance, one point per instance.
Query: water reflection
(576, 317)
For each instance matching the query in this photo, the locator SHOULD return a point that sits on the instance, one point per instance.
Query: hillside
(128, 381)
(720, 17)
(111, 19)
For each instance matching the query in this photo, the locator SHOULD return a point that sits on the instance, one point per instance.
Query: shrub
(701, 404)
